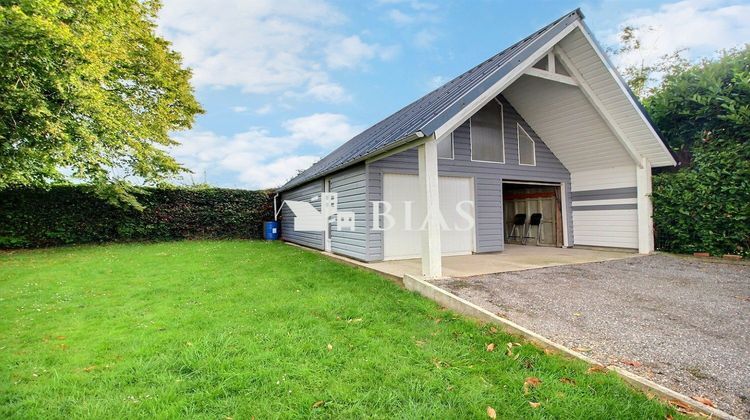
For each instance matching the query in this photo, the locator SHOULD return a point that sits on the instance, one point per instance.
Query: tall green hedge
(64, 215)
(706, 207)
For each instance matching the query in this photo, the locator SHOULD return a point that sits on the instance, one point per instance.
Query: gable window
(526, 147)
(487, 134)
(445, 147)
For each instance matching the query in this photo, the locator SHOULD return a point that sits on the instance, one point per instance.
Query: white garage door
(403, 239)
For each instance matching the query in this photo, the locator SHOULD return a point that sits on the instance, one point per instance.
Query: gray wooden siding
(302, 193)
(351, 187)
(488, 179)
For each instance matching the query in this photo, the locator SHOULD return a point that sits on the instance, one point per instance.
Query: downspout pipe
(275, 212)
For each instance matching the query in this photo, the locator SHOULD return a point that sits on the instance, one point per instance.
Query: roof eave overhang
(406, 142)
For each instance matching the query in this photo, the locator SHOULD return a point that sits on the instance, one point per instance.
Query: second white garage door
(404, 240)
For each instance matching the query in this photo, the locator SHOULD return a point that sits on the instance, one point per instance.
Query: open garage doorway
(528, 198)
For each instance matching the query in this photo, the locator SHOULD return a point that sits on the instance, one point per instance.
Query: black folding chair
(536, 220)
(519, 224)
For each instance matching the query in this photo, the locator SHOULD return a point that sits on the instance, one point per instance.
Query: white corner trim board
(429, 195)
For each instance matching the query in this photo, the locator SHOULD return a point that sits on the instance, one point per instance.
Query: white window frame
(502, 136)
(518, 141)
(453, 148)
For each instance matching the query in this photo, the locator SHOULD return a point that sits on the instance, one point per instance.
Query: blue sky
(284, 82)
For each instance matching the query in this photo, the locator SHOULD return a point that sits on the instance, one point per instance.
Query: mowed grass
(220, 329)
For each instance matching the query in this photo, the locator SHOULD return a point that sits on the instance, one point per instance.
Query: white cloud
(701, 26)
(264, 46)
(324, 129)
(425, 38)
(436, 81)
(400, 18)
(239, 109)
(351, 52)
(258, 159)
(328, 92)
(264, 110)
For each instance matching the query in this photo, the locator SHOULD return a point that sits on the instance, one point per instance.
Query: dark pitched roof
(426, 114)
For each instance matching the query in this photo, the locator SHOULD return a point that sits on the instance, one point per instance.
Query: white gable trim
(501, 84)
(526, 65)
(620, 83)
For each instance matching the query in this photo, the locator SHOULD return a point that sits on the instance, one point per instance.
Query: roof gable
(431, 110)
(445, 108)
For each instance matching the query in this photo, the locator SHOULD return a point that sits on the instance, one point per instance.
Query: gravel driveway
(681, 322)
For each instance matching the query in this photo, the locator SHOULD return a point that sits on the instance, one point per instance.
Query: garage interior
(528, 198)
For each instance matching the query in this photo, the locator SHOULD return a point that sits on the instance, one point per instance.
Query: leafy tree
(88, 90)
(643, 75)
(703, 112)
(709, 100)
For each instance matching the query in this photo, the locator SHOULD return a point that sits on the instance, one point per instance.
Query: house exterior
(546, 126)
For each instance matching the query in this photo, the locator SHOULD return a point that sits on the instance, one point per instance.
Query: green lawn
(237, 329)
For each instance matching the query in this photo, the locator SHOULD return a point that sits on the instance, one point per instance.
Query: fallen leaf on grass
(89, 369)
(531, 382)
(329, 347)
(510, 346)
(419, 343)
(534, 404)
(491, 412)
(318, 404)
(633, 363)
(491, 347)
(60, 337)
(437, 320)
(704, 400)
(549, 351)
(568, 381)
(493, 330)
(597, 369)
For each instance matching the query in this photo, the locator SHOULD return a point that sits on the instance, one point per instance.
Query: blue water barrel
(271, 230)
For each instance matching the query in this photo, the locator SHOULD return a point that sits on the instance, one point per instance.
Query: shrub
(706, 207)
(63, 215)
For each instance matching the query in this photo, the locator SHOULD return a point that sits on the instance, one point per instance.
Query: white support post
(645, 208)
(428, 193)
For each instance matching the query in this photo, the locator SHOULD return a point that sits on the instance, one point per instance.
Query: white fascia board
(471, 108)
(613, 72)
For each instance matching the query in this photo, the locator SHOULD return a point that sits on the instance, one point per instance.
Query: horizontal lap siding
(351, 187)
(596, 220)
(302, 193)
(488, 179)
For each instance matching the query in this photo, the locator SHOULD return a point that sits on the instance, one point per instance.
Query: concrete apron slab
(513, 258)
(464, 307)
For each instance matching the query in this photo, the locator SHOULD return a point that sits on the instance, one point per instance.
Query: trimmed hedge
(706, 207)
(64, 215)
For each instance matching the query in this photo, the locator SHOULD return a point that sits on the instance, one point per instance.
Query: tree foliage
(709, 100)
(706, 207)
(642, 75)
(703, 112)
(88, 90)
